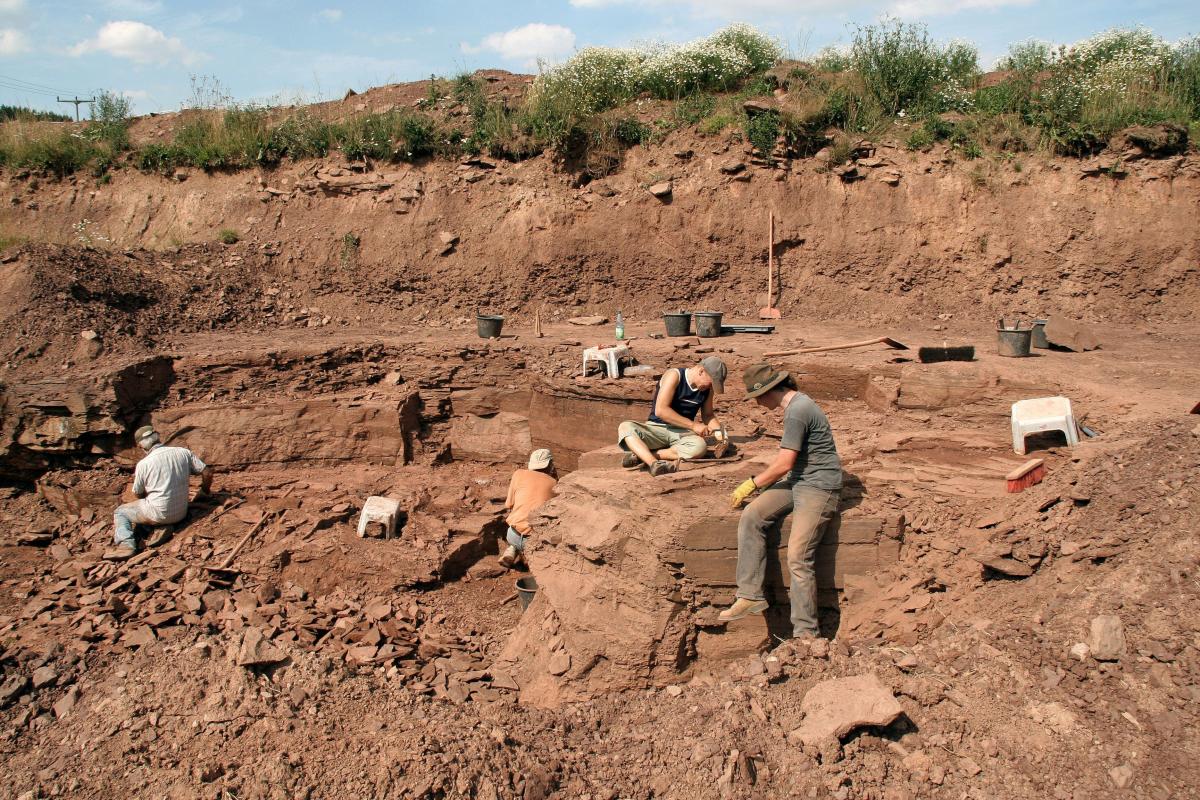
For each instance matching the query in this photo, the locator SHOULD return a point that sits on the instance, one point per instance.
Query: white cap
(540, 459)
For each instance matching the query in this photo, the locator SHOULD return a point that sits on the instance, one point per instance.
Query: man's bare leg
(670, 454)
(639, 449)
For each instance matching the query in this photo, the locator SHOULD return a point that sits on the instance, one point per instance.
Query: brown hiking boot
(661, 467)
(742, 608)
(630, 461)
(120, 553)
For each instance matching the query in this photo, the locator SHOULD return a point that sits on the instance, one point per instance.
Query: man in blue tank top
(671, 432)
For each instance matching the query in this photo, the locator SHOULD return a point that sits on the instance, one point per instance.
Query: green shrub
(228, 236)
(159, 158)
(59, 155)
(919, 139)
(832, 59)
(110, 121)
(715, 124)
(904, 69)
(762, 131)
(630, 131)
(1113, 80)
(600, 78)
(1029, 57)
(301, 135)
(1183, 78)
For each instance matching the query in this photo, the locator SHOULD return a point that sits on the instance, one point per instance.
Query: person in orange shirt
(527, 490)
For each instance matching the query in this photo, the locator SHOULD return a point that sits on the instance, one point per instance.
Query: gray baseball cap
(715, 368)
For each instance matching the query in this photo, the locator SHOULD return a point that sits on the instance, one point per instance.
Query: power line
(34, 86)
(24, 89)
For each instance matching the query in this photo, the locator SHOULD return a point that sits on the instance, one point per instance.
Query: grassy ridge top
(1067, 100)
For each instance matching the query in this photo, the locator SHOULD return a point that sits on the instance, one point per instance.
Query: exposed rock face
(325, 429)
(499, 437)
(630, 571)
(76, 415)
(494, 425)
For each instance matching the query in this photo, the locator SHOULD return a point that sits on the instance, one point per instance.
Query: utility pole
(77, 101)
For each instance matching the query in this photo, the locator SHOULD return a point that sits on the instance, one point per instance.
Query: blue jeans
(125, 518)
(516, 539)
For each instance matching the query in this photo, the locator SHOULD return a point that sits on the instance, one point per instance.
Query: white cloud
(527, 43)
(330, 14)
(13, 42)
(138, 42)
(12, 6)
(134, 6)
(930, 8)
(725, 8)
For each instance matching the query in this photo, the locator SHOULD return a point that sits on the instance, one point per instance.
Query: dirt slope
(951, 236)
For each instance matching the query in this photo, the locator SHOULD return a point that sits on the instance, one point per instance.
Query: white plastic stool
(1043, 414)
(610, 357)
(379, 509)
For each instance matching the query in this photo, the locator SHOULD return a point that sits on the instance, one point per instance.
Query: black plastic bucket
(678, 324)
(488, 325)
(708, 324)
(526, 590)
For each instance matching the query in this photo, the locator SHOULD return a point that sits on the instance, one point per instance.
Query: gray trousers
(811, 509)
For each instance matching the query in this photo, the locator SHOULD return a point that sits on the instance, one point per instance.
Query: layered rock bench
(632, 572)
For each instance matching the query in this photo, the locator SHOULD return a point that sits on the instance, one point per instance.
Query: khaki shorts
(660, 437)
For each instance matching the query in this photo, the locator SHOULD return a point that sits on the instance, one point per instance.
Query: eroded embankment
(901, 235)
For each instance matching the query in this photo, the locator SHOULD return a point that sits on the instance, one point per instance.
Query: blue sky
(274, 50)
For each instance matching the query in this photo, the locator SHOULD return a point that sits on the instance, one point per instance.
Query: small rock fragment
(14, 687)
(44, 676)
(66, 703)
(559, 663)
(257, 650)
(1121, 776)
(1107, 641)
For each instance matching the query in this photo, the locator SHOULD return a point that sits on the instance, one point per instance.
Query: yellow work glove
(742, 492)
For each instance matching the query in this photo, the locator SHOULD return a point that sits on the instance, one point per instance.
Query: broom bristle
(930, 355)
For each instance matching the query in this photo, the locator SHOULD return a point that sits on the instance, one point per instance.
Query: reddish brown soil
(148, 698)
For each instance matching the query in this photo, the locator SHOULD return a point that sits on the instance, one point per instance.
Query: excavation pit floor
(327, 665)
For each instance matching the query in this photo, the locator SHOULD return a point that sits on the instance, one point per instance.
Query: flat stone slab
(836, 707)
(1062, 332)
(588, 320)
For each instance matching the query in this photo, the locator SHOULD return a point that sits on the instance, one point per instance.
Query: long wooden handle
(770, 259)
(866, 343)
(237, 548)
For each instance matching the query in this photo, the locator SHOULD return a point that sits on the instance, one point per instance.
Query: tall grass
(893, 75)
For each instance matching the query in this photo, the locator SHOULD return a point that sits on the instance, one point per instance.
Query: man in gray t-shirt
(160, 481)
(804, 479)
